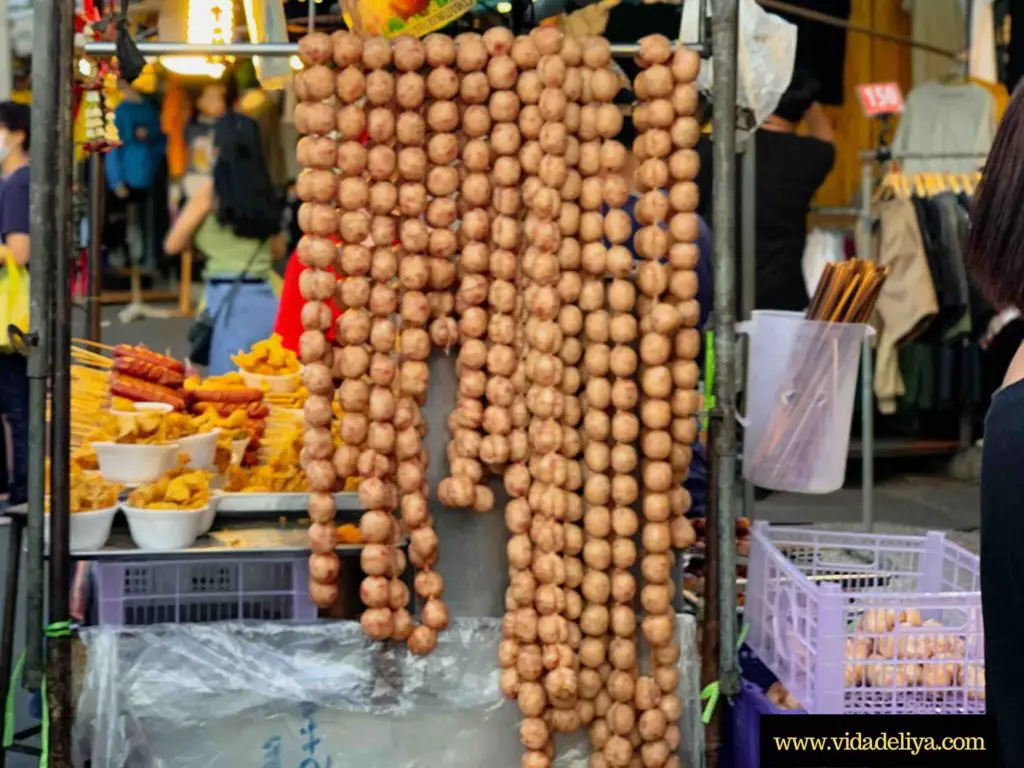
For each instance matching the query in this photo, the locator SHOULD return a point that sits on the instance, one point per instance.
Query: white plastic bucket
(801, 381)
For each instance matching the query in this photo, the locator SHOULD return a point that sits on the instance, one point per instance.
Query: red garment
(289, 322)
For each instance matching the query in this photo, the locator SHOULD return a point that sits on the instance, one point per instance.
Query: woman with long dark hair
(233, 220)
(996, 256)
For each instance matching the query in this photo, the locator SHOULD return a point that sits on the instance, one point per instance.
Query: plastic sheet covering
(765, 57)
(302, 696)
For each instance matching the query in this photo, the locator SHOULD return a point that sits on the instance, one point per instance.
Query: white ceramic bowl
(163, 528)
(145, 408)
(201, 449)
(206, 516)
(89, 530)
(130, 464)
(284, 384)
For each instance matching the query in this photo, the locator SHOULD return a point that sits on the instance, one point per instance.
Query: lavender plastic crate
(200, 590)
(813, 596)
(747, 709)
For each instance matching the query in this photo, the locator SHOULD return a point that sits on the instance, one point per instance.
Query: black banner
(878, 741)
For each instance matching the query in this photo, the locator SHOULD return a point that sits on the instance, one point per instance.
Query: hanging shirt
(907, 301)
(943, 120)
(982, 50)
(939, 23)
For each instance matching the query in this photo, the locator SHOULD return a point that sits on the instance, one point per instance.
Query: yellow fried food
(269, 358)
(84, 459)
(88, 491)
(147, 428)
(349, 534)
(224, 382)
(281, 474)
(179, 488)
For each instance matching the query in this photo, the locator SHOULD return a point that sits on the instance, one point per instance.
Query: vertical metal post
(748, 266)
(94, 262)
(867, 400)
(58, 670)
(724, 34)
(43, 235)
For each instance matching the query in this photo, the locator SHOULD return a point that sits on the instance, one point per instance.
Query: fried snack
(228, 389)
(143, 353)
(268, 358)
(146, 428)
(281, 474)
(90, 394)
(147, 370)
(88, 490)
(179, 488)
(349, 534)
(291, 401)
(139, 390)
(83, 459)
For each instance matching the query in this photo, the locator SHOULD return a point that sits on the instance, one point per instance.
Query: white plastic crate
(202, 589)
(819, 601)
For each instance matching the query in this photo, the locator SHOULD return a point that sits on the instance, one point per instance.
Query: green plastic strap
(712, 691)
(709, 378)
(59, 629)
(19, 667)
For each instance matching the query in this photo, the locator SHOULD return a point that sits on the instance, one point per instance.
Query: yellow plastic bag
(391, 18)
(14, 302)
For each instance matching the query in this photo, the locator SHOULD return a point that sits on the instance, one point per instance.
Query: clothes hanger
(920, 188)
(953, 182)
(886, 188)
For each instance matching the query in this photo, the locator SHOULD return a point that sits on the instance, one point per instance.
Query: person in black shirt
(790, 169)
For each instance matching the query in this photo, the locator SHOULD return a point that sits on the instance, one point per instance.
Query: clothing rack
(894, 448)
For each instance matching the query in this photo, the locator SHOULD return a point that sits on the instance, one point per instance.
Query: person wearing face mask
(14, 252)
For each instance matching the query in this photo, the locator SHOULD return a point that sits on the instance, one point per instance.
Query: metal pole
(711, 632)
(867, 400)
(6, 81)
(724, 34)
(748, 264)
(43, 237)
(263, 49)
(58, 674)
(94, 262)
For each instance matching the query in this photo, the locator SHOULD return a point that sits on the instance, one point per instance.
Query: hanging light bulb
(202, 22)
(504, 7)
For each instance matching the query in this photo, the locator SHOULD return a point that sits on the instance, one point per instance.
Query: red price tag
(881, 99)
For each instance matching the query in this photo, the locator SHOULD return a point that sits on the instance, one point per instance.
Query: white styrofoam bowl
(161, 529)
(284, 384)
(201, 449)
(206, 517)
(89, 530)
(131, 464)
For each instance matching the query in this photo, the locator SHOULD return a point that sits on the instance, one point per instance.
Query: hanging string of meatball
(472, 87)
(409, 200)
(518, 654)
(596, 585)
(317, 187)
